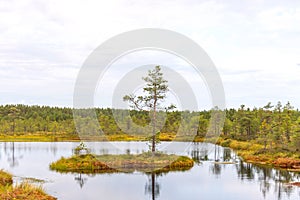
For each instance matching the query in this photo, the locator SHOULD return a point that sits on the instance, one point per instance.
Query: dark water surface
(206, 180)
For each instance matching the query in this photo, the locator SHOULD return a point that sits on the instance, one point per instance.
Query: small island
(146, 162)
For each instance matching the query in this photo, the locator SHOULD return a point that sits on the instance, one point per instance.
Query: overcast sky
(254, 44)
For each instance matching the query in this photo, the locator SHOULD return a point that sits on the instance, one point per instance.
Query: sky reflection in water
(206, 180)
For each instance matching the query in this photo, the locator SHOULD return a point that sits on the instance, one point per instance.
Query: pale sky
(254, 44)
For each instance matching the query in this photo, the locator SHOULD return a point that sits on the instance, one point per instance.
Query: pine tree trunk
(154, 121)
(153, 130)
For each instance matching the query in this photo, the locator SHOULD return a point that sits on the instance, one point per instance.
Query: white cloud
(254, 44)
(280, 19)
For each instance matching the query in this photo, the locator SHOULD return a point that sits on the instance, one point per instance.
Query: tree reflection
(152, 187)
(282, 177)
(217, 153)
(268, 178)
(216, 169)
(245, 170)
(197, 154)
(53, 148)
(80, 180)
(227, 154)
(265, 176)
(12, 158)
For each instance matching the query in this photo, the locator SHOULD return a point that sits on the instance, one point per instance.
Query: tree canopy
(275, 126)
(154, 93)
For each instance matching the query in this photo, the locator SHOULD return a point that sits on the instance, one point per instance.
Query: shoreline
(254, 153)
(27, 190)
(249, 151)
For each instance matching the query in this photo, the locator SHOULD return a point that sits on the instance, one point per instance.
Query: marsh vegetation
(21, 191)
(145, 162)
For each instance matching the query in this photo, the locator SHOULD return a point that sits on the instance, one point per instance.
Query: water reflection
(218, 166)
(152, 187)
(263, 175)
(227, 155)
(266, 175)
(12, 158)
(216, 169)
(217, 153)
(80, 179)
(53, 148)
(198, 153)
(245, 171)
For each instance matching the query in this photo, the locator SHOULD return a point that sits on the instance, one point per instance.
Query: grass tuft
(23, 191)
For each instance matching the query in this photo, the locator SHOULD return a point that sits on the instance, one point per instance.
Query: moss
(145, 162)
(225, 143)
(288, 163)
(166, 136)
(5, 178)
(60, 137)
(39, 137)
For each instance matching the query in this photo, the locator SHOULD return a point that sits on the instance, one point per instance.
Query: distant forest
(275, 126)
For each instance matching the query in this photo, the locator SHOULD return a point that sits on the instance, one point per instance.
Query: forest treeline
(274, 126)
